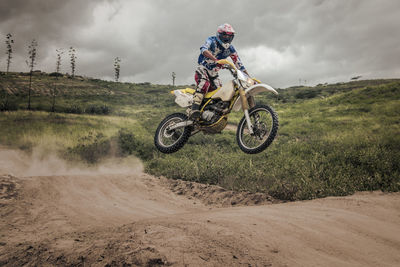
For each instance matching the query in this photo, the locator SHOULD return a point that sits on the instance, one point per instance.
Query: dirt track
(54, 215)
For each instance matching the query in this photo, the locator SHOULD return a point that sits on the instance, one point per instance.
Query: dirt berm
(52, 215)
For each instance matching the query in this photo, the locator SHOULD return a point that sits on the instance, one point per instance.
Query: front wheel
(170, 141)
(265, 126)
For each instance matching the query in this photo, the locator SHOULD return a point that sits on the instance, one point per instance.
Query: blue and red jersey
(219, 52)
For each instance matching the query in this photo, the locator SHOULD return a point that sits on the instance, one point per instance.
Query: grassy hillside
(333, 139)
(79, 94)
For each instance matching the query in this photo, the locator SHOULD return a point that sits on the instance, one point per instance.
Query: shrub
(56, 74)
(131, 144)
(74, 109)
(100, 110)
(91, 148)
(7, 105)
(306, 94)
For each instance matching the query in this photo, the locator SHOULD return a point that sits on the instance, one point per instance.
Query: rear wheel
(170, 141)
(265, 127)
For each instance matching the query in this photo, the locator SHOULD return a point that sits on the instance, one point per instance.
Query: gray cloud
(279, 41)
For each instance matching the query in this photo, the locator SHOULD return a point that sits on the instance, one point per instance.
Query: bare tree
(58, 66)
(72, 56)
(31, 64)
(117, 68)
(173, 78)
(58, 62)
(9, 42)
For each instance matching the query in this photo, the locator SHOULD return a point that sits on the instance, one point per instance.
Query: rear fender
(252, 91)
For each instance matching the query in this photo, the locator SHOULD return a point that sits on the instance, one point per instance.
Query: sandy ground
(52, 214)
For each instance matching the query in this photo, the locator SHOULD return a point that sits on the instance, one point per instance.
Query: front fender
(252, 91)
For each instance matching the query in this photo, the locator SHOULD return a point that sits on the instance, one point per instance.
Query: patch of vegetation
(91, 148)
(133, 144)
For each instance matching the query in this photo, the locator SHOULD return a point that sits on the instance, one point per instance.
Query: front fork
(245, 107)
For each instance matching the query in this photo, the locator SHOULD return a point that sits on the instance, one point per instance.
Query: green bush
(306, 94)
(56, 74)
(130, 144)
(100, 110)
(91, 148)
(73, 109)
(7, 105)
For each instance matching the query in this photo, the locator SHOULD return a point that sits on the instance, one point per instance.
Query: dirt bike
(255, 132)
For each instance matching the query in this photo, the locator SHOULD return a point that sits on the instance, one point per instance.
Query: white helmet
(225, 34)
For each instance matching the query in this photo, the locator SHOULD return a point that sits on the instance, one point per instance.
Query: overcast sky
(283, 43)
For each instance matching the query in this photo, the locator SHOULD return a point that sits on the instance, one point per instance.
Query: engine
(214, 110)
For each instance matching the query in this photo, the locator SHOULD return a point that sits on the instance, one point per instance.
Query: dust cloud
(40, 162)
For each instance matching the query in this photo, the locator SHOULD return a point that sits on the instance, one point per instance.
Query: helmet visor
(226, 37)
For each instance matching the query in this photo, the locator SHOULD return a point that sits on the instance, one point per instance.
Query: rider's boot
(194, 112)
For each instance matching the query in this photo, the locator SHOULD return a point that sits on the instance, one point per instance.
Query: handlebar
(226, 63)
(229, 65)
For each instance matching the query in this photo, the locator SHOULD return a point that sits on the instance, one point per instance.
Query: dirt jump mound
(53, 213)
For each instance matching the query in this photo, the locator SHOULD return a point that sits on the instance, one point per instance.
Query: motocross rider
(206, 75)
